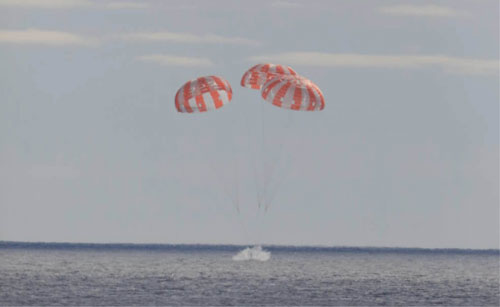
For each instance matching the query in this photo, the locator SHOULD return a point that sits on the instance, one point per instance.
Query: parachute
(280, 86)
(203, 94)
(257, 75)
(294, 93)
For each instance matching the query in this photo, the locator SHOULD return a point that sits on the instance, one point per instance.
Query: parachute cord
(256, 175)
(253, 157)
(234, 183)
(274, 191)
(262, 156)
(220, 180)
(227, 187)
(257, 151)
(269, 190)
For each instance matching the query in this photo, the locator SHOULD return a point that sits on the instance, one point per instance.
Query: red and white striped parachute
(256, 76)
(294, 93)
(203, 94)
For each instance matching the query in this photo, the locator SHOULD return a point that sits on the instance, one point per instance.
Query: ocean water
(89, 274)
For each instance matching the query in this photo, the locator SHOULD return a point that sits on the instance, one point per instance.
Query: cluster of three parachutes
(279, 85)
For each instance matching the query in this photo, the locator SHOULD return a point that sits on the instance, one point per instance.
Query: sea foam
(252, 253)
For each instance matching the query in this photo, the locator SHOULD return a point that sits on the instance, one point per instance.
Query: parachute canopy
(294, 93)
(256, 76)
(203, 94)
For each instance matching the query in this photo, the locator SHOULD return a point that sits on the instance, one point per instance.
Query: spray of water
(252, 253)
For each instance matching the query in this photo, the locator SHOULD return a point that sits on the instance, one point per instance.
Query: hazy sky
(406, 152)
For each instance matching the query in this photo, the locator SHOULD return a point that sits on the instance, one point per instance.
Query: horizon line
(125, 245)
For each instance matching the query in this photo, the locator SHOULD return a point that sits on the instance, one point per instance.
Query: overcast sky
(405, 153)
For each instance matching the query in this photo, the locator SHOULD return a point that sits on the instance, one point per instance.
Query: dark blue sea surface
(140, 274)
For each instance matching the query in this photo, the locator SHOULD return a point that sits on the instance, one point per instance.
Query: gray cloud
(46, 3)
(285, 4)
(449, 64)
(72, 4)
(189, 38)
(422, 10)
(43, 37)
(172, 60)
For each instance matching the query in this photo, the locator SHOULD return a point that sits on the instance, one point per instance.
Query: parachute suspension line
(204, 94)
(260, 156)
(251, 134)
(233, 185)
(236, 176)
(253, 142)
(263, 151)
(278, 184)
(218, 172)
(271, 184)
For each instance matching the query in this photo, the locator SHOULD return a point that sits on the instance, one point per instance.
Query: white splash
(252, 253)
